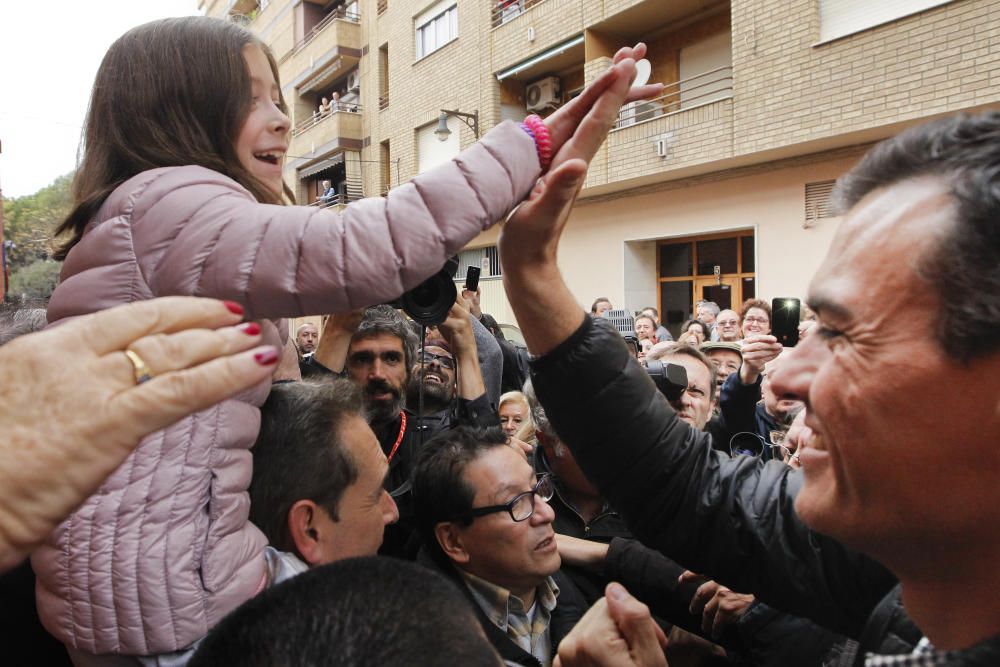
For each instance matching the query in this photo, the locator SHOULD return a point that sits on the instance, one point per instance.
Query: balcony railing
(338, 13)
(319, 117)
(383, 101)
(506, 10)
(716, 84)
(347, 191)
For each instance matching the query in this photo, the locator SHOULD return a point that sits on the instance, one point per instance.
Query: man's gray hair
(16, 322)
(541, 420)
(711, 307)
(384, 319)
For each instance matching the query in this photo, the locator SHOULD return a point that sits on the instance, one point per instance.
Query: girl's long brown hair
(168, 93)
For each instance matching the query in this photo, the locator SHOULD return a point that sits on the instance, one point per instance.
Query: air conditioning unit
(354, 81)
(543, 94)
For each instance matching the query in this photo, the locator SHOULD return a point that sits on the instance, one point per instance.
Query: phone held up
(785, 313)
(472, 278)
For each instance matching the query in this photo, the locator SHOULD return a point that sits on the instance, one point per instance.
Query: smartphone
(472, 278)
(785, 313)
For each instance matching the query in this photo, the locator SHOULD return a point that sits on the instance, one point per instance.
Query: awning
(542, 57)
(322, 165)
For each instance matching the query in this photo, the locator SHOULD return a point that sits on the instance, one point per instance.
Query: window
(838, 18)
(436, 27)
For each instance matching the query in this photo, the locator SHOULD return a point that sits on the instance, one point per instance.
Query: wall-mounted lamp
(470, 119)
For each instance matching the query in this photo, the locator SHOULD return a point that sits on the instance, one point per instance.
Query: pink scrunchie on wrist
(537, 130)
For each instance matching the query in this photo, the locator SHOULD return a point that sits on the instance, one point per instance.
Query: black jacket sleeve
(738, 405)
(732, 520)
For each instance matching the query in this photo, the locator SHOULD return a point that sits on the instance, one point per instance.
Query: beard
(382, 410)
(437, 396)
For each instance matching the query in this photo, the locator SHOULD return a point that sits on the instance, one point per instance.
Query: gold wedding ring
(140, 370)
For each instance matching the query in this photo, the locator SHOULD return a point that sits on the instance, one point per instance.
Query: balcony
(325, 53)
(549, 22)
(691, 124)
(340, 129)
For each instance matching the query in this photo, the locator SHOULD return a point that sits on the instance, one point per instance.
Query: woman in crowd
(515, 417)
(755, 316)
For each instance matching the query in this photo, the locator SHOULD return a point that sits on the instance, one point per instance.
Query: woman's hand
(72, 409)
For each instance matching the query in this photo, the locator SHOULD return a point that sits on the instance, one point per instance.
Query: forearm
(490, 359)
(542, 303)
(332, 349)
(470, 377)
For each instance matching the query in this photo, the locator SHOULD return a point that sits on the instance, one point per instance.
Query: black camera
(429, 302)
(670, 379)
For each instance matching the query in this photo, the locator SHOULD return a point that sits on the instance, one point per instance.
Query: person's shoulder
(147, 189)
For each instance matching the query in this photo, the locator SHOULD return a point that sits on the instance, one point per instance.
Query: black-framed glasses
(446, 362)
(746, 443)
(521, 506)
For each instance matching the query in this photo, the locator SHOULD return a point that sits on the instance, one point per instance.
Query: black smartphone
(472, 278)
(785, 313)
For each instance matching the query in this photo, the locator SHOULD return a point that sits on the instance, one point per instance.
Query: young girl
(179, 192)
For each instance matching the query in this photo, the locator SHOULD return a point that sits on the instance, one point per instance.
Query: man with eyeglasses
(486, 524)
(727, 326)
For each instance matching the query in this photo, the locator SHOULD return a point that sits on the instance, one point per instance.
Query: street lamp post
(470, 119)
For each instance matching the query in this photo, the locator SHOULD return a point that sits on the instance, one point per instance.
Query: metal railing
(347, 191)
(715, 84)
(318, 117)
(338, 13)
(506, 10)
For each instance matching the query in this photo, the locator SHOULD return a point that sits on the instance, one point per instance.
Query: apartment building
(718, 189)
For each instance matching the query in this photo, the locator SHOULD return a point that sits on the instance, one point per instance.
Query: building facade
(718, 189)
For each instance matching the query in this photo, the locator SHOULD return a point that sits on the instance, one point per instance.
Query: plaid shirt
(924, 655)
(507, 612)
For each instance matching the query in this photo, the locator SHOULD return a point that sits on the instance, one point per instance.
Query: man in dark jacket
(900, 381)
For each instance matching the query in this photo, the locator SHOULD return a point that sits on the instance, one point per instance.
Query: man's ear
(304, 529)
(449, 538)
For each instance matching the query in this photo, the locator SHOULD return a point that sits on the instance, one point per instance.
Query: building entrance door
(724, 291)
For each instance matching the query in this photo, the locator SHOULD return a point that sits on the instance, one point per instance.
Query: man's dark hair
(353, 613)
(492, 325)
(16, 321)
(439, 492)
(964, 267)
(382, 319)
(600, 299)
(300, 455)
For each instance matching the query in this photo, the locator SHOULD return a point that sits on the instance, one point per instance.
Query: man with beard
(380, 348)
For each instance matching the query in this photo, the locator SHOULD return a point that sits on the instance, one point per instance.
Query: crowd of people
(196, 487)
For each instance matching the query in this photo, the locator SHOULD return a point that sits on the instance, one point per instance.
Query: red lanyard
(399, 438)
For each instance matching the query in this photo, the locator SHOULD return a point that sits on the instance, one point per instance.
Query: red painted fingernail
(233, 307)
(267, 356)
(249, 328)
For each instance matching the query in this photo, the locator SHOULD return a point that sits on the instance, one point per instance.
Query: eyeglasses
(446, 362)
(751, 444)
(727, 323)
(522, 506)
(758, 320)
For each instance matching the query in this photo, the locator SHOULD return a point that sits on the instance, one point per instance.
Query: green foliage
(30, 221)
(35, 281)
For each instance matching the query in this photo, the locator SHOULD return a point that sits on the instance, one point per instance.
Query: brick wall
(788, 89)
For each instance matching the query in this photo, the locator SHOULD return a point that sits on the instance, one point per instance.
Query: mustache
(380, 387)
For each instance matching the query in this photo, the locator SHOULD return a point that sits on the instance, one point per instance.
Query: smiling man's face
(897, 459)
